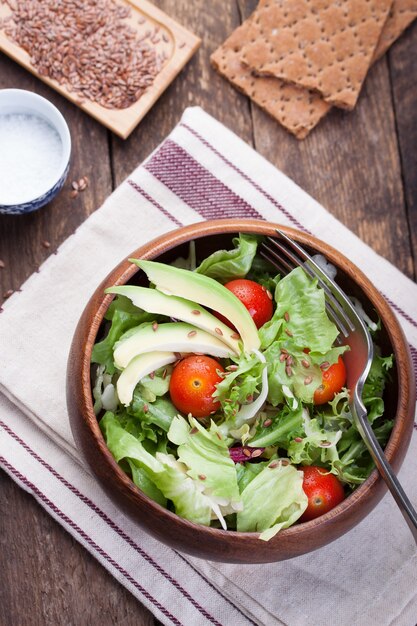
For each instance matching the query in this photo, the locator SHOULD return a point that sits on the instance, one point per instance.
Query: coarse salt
(30, 157)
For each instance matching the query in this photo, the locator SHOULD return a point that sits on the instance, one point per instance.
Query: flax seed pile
(86, 46)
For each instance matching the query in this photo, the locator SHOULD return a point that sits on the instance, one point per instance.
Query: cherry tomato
(193, 382)
(333, 379)
(256, 299)
(323, 490)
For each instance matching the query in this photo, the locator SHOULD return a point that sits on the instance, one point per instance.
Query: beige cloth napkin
(201, 171)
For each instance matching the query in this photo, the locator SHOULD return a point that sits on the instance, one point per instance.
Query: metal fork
(285, 254)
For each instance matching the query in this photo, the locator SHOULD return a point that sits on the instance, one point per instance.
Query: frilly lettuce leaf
(301, 312)
(155, 385)
(317, 446)
(302, 376)
(241, 384)
(225, 265)
(272, 500)
(162, 472)
(206, 455)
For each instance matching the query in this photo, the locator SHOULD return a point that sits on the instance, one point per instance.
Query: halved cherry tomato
(333, 379)
(323, 490)
(256, 299)
(193, 382)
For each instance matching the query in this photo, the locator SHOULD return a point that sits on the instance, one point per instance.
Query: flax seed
(247, 452)
(288, 332)
(88, 47)
(308, 380)
(235, 336)
(192, 333)
(195, 312)
(305, 363)
(155, 327)
(218, 331)
(267, 423)
(288, 370)
(287, 316)
(256, 453)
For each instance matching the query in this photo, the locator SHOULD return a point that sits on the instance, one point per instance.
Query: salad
(220, 391)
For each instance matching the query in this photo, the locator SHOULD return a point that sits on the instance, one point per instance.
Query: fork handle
(409, 513)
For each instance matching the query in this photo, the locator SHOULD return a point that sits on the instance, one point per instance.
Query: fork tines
(285, 254)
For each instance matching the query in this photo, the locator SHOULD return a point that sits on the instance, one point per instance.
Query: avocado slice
(154, 301)
(139, 367)
(207, 292)
(167, 337)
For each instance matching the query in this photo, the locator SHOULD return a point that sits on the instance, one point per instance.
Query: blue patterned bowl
(25, 103)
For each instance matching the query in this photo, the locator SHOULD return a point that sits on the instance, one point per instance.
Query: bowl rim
(26, 102)
(403, 424)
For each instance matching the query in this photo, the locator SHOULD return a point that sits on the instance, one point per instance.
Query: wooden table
(362, 166)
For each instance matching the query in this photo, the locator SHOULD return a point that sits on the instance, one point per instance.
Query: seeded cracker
(402, 13)
(322, 45)
(298, 110)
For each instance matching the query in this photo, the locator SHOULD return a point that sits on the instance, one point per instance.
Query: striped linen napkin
(200, 171)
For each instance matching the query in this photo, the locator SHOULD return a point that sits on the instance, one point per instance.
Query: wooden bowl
(211, 543)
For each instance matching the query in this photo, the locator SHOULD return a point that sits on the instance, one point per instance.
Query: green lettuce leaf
(206, 455)
(225, 265)
(241, 384)
(168, 476)
(279, 429)
(272, 500)
(300, 314)
(160, 413)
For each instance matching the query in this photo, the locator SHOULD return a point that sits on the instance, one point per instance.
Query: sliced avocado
(207, 292)
(154, 301)
(167, 337)
(139, 367)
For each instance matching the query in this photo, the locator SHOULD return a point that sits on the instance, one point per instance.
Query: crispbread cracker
(324, 45)
(401, 14)
(299, 110)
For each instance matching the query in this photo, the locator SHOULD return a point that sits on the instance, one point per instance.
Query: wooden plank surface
(361, 165)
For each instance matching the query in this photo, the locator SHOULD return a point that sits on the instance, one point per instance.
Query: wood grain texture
(55, 581)
(350, 163)
(404, 76)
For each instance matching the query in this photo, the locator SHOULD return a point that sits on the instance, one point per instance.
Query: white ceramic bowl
(19, 101)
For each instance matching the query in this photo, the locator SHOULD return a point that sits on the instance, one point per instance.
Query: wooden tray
(175, 41)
